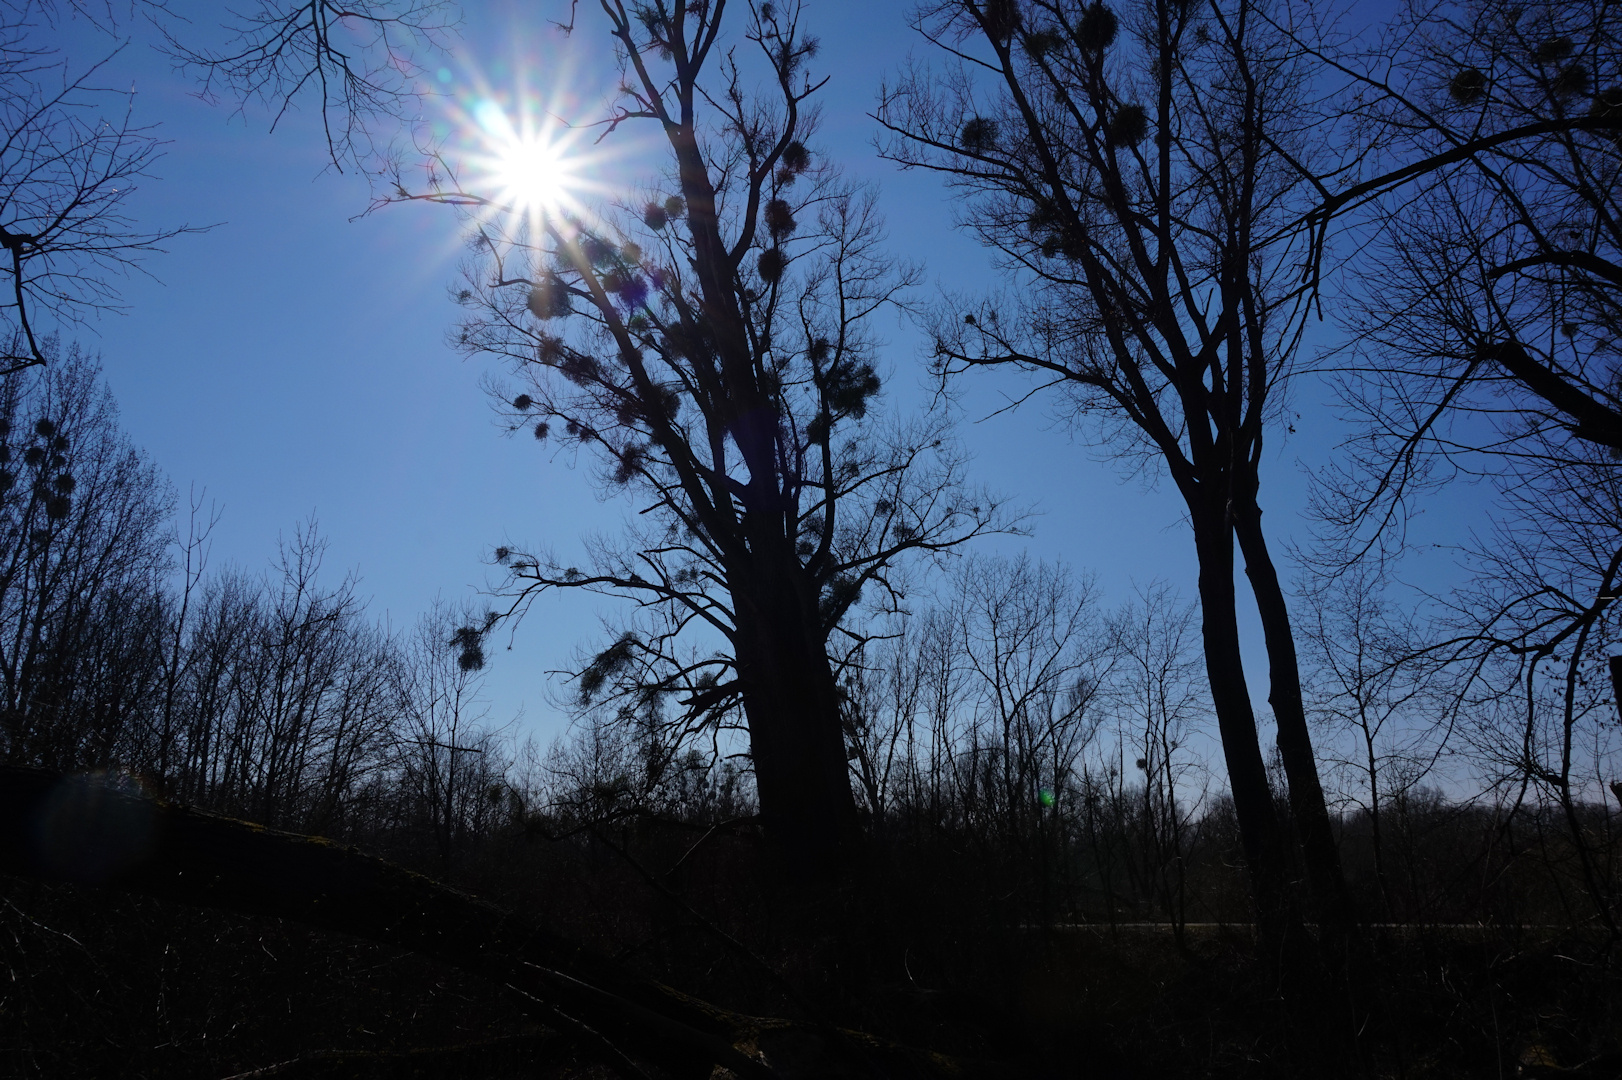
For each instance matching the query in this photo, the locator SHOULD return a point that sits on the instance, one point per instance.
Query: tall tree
(717, 359)
(1146, 178)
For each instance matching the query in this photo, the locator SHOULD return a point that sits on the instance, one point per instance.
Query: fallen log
(91, 829)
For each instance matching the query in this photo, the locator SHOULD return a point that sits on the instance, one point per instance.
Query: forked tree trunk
(1259, 828)
(790, 699)
(1319, 852)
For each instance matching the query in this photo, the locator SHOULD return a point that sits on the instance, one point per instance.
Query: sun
(508, 145)
(532, 174)
(530, 166)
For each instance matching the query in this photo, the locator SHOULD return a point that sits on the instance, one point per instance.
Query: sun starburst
(530, 163)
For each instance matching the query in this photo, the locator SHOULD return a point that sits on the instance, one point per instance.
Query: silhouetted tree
(448, 761)
(911, 705)
(1148, 177)
(1518, 655)
(1495, 282)
(360, 62)
(1487, 344)
(1368, 682)
(83, 557)
(1033, 662)
(1160, 705)
(72, 154)
(70, 158)
(886, 690)
(314, 699)
(713, 351)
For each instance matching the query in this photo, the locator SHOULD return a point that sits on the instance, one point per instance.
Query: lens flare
(518, 144)
(527, 164)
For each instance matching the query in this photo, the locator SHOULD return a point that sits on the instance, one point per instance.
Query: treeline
(273, 696)
(1017, 733)
(1021, 748)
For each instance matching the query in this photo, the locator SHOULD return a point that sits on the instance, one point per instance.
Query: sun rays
(512, 149)
(529, 163)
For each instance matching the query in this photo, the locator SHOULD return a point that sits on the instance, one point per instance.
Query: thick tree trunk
(1320, 854)
(792, 705)
(1259, 828)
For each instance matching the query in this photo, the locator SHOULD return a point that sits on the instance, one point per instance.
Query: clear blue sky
(293, 362)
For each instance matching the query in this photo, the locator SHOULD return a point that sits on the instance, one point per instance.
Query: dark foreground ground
(101, 984)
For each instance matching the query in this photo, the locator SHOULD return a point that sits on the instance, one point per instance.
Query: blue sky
(292, 361)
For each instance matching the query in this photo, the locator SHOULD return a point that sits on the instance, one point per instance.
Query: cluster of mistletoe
(35, 474)
(707, 344)
(1084, 124)
(1500, 280)
(616, 350)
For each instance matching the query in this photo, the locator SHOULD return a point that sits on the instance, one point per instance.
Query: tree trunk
(791, 703)
(1259, 829)
(1318, 849)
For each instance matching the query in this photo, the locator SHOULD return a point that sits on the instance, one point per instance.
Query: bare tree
(292, 699)
(1030, 657)
(71, 156)
(906, 716)
(1159, 704)
(72, 153)
(216, 639)
(83, 555)
(717, 360)
(1149, 178)
(888, 690)
(1031, 663)
(165, 736)
(1486, 344)
(1497, 303)
(448, 751)
(360, 62)
(1524, 645)
(1370, 683)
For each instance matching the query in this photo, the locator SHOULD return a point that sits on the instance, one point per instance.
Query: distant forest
(842, 792)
